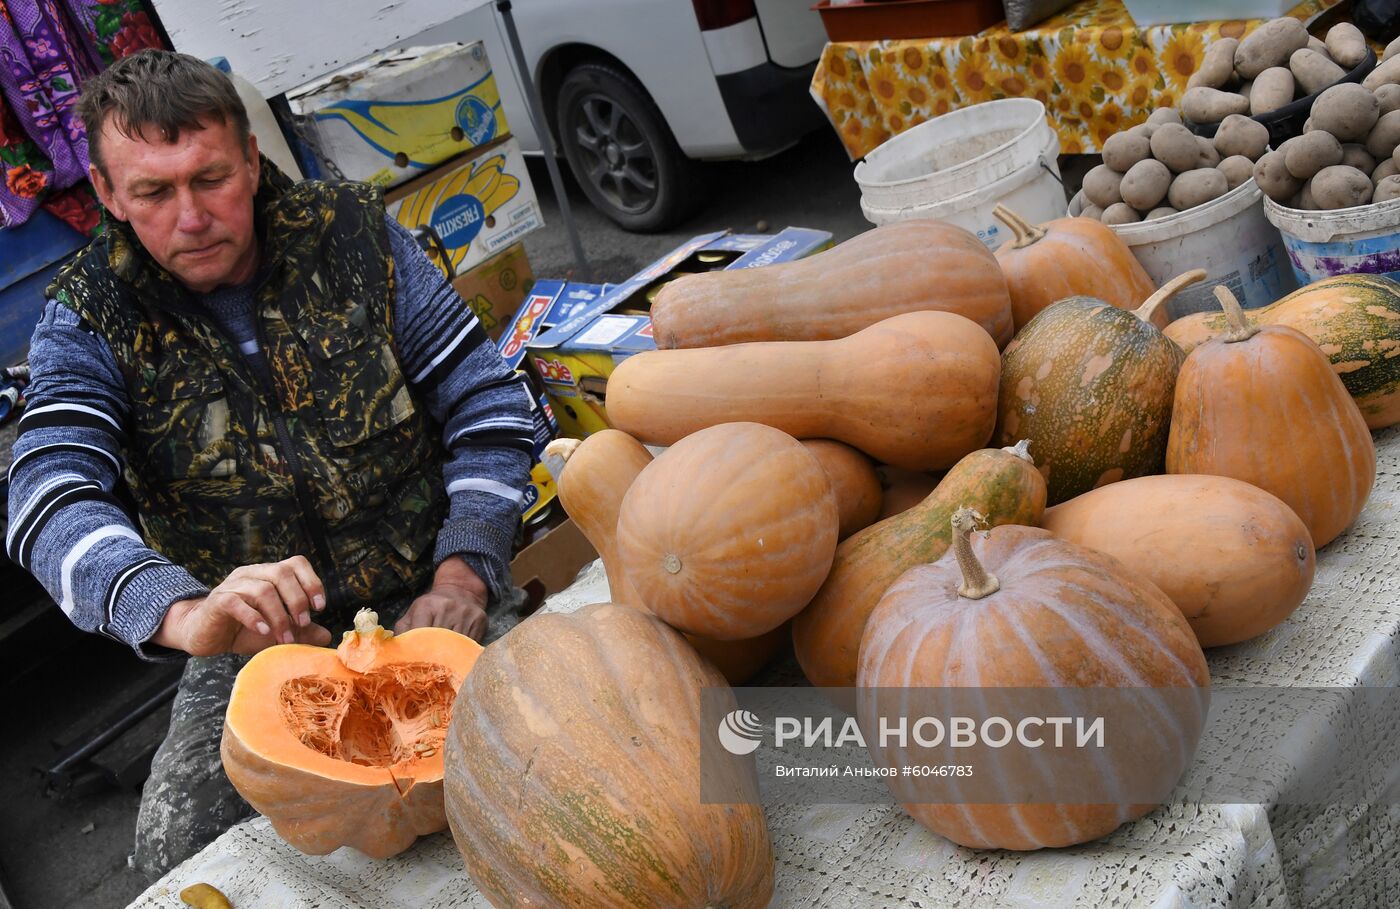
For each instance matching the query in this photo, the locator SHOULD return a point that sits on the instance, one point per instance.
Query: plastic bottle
(262, 122)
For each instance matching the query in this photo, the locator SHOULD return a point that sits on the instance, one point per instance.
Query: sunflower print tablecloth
(1094, 70)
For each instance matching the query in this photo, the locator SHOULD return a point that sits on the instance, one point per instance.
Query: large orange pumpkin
(593, 476)
(1019, 609)
(1263, 405)
(908, 266)
(574, 778)
(345, 747)
(1069, 257)
(729, 533)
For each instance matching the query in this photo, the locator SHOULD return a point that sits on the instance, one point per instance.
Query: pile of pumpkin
(1190, 475)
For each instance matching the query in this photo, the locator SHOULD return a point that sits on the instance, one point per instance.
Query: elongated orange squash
(903, 489)
(903, 267)
(593, 476)
(917, 391)
(1002, 484)
(1255, 570)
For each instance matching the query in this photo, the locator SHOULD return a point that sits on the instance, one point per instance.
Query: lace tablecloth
(1345, 636)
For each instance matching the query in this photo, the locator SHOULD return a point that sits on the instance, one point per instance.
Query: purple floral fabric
(47, 48)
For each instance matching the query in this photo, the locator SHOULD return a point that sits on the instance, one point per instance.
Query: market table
(1344, 639)
(1090, 65)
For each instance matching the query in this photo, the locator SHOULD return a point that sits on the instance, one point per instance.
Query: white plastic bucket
(1325, 243)
(1229, 237)
(959, 166)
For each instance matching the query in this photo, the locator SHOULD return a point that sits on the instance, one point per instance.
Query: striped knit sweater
(68, 530)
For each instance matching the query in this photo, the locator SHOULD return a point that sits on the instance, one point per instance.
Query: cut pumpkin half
(344, 747)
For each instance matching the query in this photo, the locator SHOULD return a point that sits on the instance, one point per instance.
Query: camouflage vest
(335, 461)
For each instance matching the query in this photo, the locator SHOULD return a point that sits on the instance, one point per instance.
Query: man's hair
(161, 90)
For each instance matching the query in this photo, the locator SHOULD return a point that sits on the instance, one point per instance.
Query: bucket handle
(1045, 165)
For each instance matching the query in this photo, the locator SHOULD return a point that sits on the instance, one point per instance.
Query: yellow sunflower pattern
(1093, 69)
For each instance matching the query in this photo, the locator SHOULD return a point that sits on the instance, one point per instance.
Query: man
(306, 416)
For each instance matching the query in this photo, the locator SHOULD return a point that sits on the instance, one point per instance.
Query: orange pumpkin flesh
(345, 747)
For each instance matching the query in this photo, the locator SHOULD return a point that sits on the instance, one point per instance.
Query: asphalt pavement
(60, 851)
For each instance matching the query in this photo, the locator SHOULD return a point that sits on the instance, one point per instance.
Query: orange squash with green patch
(1090, 386)
(1354, 319)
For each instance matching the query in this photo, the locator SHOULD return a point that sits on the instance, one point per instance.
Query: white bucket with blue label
(1361, 240)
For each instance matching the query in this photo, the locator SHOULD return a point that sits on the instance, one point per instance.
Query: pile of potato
(1276, 64)
(1160, 167)
(1348, 155)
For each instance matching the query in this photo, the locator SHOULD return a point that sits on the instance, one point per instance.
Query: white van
(638, 90)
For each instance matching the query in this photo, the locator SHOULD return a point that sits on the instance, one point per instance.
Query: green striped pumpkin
(1090, 386)
(1355, 319)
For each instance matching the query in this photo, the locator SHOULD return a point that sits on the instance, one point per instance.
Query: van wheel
(621, 151)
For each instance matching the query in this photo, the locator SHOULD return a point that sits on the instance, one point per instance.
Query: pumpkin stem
(1148, 309)
(1026, 232)
(977, 581)
(557, 454)
(1240, 329)
(1022, 450)
(359, 648)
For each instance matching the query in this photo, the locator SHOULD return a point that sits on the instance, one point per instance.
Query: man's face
(190, 201)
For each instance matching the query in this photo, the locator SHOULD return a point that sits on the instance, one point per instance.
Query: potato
(1123, 150)
(1101, 186)
(1271, 44)
(1357, 156)
(1164, 115)
(1388, 96)
(1304, 199)
(1346, 45)
(1217, 66)
(1145, 184)
(1176, 147)
(1210, 105)
(1309, 153)
(1273, 88)
(1313, 71)
(1391, 50)
(1341, 187)
(1120, 213)
(1197, 187)
(1387, 73)
(1237, 169)
(1384, 136)
(1387, 168)
(1347, 111)
(1245, 89)
(1240, 135)
(1091, 211)
(1387, 189)
(1308, 125)
(1160, 212)
(1142, 129)
(1273, 177)
(1209, 156)
(1316, 44)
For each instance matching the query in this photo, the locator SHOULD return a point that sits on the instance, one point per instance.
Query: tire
(621, 151)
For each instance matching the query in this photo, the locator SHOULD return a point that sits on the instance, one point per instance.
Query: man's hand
(457, 601)
(255, 607)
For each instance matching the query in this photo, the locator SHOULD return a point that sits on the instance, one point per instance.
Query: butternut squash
(917, 390)
(904, 267)
(853, 479)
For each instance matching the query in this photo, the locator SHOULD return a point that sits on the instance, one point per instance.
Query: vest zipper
(312, 524)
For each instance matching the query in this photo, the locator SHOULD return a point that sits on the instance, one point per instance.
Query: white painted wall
(280, 44)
